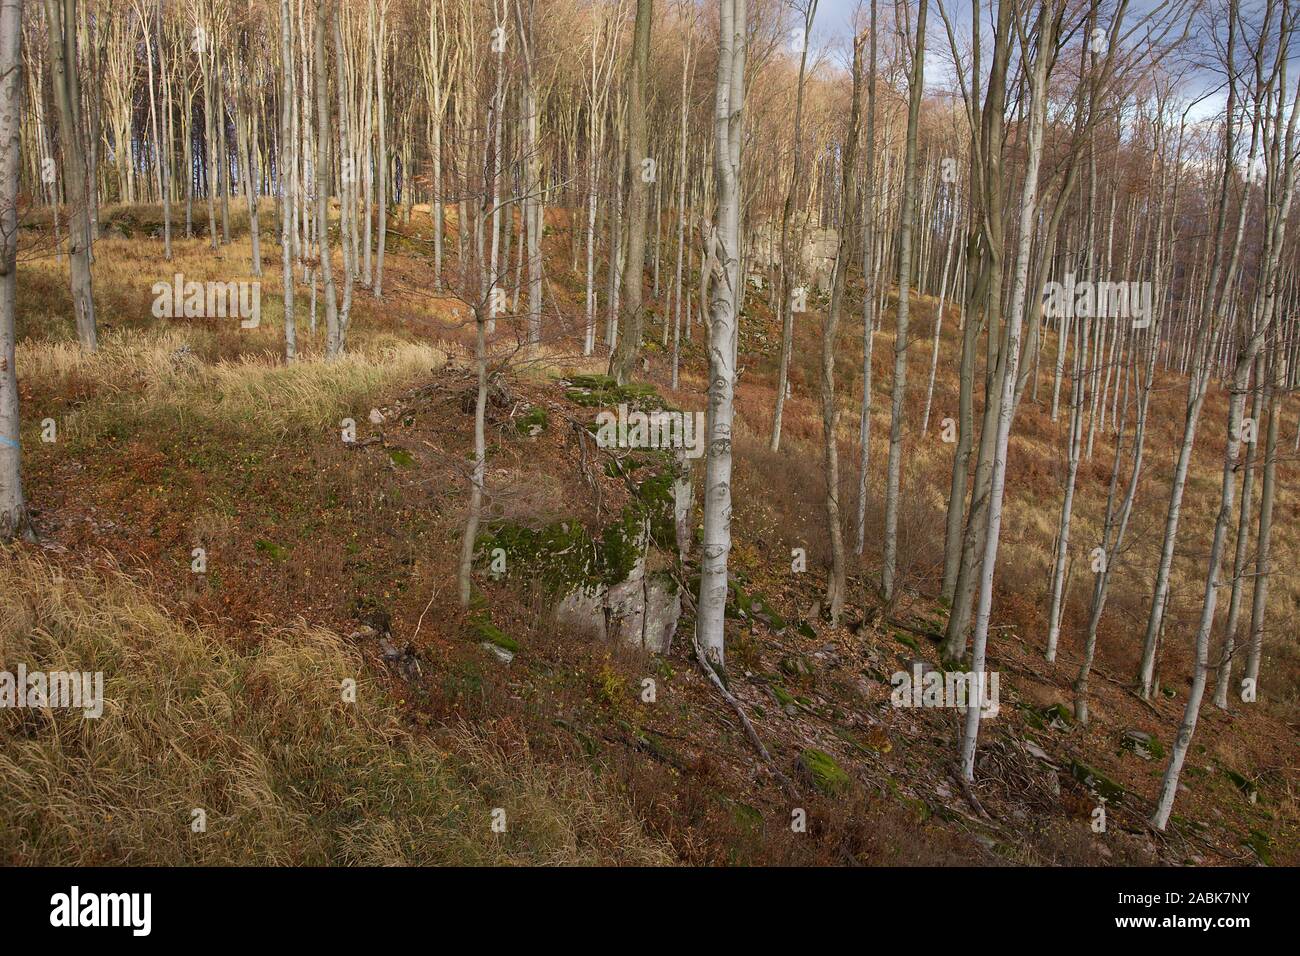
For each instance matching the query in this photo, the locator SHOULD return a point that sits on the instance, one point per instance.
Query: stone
(1036, 751)
(642, 610)
(1142, 744)
(501, 654)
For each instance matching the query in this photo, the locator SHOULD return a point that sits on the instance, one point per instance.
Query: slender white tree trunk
(724, 307)
(286, 182)
(1010, 358)
(14, 520)
(61, 22)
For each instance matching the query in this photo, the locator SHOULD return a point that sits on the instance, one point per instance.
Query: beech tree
(724, 313)
(1274, 101)
(14, 520)
(61, 24)
(907, 213)
(641, 170)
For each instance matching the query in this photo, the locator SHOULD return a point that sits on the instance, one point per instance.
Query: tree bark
(625, 354)
(61, 24)
(15, 522)
(724, 308)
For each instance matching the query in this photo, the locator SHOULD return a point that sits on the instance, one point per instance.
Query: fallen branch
(969, 794)
(752, 734)
(707, 666)
(930, 635)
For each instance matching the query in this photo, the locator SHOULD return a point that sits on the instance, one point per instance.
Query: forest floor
(328, 563)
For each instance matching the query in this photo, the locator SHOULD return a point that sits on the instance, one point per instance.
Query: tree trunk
(784, 290)
(830, 413)
(14, 519)
(868, 293)
(62, 26)
(287, 183)
(1010, 358)
(624, 358)
(906, 215)
(333, 330)
(724, 308)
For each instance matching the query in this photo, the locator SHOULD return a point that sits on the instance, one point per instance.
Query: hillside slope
(328, 561)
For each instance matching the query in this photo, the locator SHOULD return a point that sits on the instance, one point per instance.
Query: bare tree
(784, 290)
(14, 519)
(641, 170)
(830, 412)
(1048, 14)
(724, 312)
(287, 181)
(61, 23)
(1280, 157)
(899, 394)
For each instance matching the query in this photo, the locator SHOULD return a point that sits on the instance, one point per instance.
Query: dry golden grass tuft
(153, 373)
(260, 738)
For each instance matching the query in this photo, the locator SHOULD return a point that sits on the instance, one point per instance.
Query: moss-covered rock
(795, 665)
(564, 556)
(533, 422)
(1242, 783)
(1057, 715)
(823, 772)
(1141, 744)
(601, 391)
(1097, 782)
(489, 632)
(907, 640)
(753, 607)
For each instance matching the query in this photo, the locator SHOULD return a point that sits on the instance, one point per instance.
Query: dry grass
(140, 375)
(261, 739)
(251, 727)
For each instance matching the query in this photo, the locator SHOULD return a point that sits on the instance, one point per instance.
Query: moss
(746, 817)
(533, 422)
(1145, 746)
(401, 457)
(752, 607)
(656, 500)
(1262, 844)
(563, 556)
(1096, 782)
(1242, 783)
(795, 665)
(826, 775)
(560, 556)
(1057, 714)
(272, 550)
(784, 697)
(907, 640)
(1184, 822)
(489, 632)
(601, 391)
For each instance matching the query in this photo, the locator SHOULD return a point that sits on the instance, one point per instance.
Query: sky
(834, 24)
